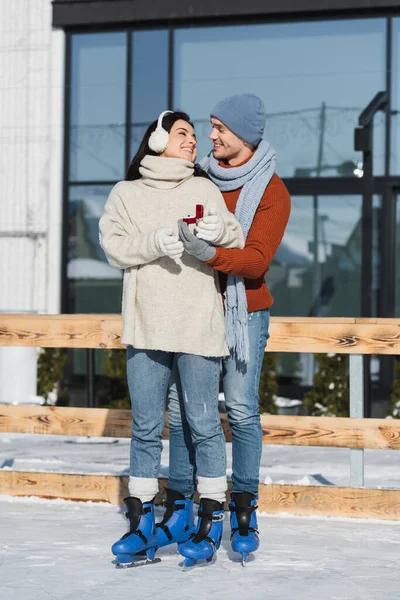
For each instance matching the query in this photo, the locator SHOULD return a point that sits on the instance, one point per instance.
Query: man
(242, 165)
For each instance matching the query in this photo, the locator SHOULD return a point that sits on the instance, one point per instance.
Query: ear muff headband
(158, 140)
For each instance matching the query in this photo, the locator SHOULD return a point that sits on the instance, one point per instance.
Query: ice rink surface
(59, 550)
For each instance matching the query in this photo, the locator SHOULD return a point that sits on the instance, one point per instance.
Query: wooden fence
(350, 336)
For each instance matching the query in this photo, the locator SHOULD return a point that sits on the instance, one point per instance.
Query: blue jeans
(241, 383)
(148, 373)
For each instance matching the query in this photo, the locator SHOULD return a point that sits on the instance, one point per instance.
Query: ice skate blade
(244, 559)
(137, 563)
(189, 563)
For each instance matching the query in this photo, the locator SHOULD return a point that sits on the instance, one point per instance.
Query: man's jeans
(241, 385)
(148, 374)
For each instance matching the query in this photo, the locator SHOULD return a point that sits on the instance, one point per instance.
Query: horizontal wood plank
(340, 338)
(61, 331)
(295, 334)
(334, 432)
(330, 501)
(274, 498)
(95, 488)
(62, 420)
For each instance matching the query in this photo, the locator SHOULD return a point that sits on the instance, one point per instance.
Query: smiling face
(181, 142)
(228, 147)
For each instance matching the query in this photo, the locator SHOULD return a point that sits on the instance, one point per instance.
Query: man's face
(227, 145)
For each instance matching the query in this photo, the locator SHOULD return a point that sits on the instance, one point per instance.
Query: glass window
(316, 271)
(149, 81)
(93, 286)
(315, 79)
(98, 103)
(395, 153)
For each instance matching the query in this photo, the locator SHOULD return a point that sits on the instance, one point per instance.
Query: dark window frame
(73, 13)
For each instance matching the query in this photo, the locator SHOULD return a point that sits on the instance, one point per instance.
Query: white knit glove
(211, 227)
(169, 243)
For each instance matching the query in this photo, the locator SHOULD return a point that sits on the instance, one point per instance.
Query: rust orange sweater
(265, 235)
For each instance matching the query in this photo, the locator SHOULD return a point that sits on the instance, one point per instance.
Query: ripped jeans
(241, 399)
(148, 373)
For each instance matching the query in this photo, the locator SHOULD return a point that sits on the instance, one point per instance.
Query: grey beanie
(244, 115)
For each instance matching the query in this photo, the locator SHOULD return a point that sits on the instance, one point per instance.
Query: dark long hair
(167, 123)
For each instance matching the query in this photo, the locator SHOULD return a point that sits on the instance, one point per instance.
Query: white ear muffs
(158, 140)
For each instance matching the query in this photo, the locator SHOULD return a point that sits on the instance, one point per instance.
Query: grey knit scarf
(253, 177)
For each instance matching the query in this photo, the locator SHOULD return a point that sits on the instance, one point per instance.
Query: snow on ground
(292, 464)
(58, 550)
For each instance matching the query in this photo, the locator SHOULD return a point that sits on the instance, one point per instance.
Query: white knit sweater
(167, 305)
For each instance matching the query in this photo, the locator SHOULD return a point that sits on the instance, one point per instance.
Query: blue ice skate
(204, 543)
(141, 537)
(177, 523)
(244, 533)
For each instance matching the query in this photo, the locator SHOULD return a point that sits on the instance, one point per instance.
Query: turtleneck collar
(165, 173)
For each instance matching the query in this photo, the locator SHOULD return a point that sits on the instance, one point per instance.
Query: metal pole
(367, 231)
(367, 257)
(356, 412)
(363, 141)
(387, 293)
(317, 268)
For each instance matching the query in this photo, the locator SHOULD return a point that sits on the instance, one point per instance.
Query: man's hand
(198, 248)
(169, 243)
(211, 227)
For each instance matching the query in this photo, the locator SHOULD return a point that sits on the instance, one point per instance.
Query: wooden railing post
(356, 412)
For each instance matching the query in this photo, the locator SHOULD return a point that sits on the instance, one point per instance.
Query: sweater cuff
(214, 260)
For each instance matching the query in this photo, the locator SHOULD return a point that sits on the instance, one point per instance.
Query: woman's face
(182, 142)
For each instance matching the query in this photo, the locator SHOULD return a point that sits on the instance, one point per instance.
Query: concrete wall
(31, 135)
(31, 79)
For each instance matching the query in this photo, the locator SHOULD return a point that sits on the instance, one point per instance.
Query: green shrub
(117, 392)
(395, 395)
(268, 383)
(329, 395)
(50, 374)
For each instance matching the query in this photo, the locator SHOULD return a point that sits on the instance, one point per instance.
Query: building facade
(317, 66)
(31, 138)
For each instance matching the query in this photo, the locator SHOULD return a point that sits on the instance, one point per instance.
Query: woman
(172, 311)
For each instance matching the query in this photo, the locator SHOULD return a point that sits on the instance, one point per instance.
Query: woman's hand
(169, 243)
(193, 245)
(211, 227)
